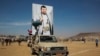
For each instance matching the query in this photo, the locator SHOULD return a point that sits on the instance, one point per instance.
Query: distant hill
(88, 36)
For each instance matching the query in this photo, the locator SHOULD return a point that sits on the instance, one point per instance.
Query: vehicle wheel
(67, 53)
(40, 54)
(33, 52)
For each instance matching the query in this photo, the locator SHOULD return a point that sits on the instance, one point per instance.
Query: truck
(47, 45)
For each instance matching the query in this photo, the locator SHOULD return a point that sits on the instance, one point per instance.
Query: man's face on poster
(43, 10)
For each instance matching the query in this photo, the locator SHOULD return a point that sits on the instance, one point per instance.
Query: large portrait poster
(42, 19)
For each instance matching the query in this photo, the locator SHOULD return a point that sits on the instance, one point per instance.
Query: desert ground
(75, 49)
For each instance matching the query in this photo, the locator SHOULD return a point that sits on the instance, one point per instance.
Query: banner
(42, 19)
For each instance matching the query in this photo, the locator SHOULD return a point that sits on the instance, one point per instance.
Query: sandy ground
(15, 50)
(75, 49)
(83, 49)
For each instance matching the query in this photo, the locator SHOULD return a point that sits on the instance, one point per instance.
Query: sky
(70, 16)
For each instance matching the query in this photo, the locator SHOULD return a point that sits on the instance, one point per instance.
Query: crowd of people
(8, 41)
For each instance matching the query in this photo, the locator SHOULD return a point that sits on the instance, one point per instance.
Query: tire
(67, 53)
(33, 52)
(40, 54)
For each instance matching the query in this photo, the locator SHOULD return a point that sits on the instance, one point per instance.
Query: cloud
(16, 24)
(20, 23)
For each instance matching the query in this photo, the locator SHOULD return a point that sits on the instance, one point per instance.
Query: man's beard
(44, 13)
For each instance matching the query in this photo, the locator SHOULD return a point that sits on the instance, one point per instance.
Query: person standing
(6, 41)
(10, 41)
(2, 41)
(96, 41)
(19, 42)
(83, 39)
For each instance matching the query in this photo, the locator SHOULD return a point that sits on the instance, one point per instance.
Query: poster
(42, 19)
